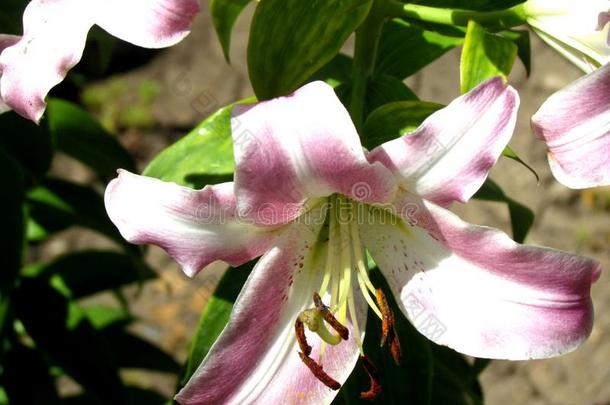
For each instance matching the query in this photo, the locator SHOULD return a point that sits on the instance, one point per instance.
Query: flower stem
(497, 19)
(365, 56)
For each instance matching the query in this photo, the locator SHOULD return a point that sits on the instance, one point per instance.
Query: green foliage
(479, 5)
(395, 119)
(404, 48)
(57, 204)
(30, 145)
(224, 14)
(484, 56)
(90, 272)
(521, 217)
(11, 221)
(69, 340)
(27, 378)
(204, 156)
(79, 135)
(303, 35)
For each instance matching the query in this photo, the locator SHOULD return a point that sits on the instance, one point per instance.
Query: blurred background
(154, 104)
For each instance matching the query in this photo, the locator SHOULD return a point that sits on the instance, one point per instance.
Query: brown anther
(330, 318)
(371, 370)
(301, 339)
(320, 374)
(388, 329)
(317, 300)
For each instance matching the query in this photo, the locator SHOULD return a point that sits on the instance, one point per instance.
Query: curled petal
(575, 124)
(54, 36)
(256, 358)
(475, 290)
(297, 147)
(196, 227)
(147, 23)
(449, 156)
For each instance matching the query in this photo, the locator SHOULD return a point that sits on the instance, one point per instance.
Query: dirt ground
(193, 80)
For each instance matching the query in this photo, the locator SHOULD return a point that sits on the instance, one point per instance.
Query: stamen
(367, 297)
(354, 318)
(320, 374)
(371, 370)
(346, 266)
(329, 317)
(301, 339)
(363, 278)
(388, 329)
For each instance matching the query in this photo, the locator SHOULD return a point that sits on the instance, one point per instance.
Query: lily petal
(147, 23)
(575, 124)
(475, 290)
(255, 360)
(196, 227)
(297, 147)
(55, 33)
(5, 42)
(449, 156)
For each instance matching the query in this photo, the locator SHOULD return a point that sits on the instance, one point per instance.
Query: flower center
(345, 263)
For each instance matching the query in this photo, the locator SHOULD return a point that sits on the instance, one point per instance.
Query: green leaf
(90, 272)
(59, 329)
(383, 89)
(29, 144)
(57, 204)
(292, 39)
(511, 154)
(26, 377)
(478, 5)
(11, 220)
(214, 317)
(11, 13)
(453, 382)
(204, 156)
(103, 316)
(79, 135)
(134, 352)
(396, 119)
(135, 396)
(521, 38)
(409, 383)
(521, 217)
(484, 56)
(335, 72)
(404, 49)
(224, 14)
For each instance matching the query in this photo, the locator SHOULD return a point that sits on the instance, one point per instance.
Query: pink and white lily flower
(54, 36)
(578, 30)
(575, 124)
(312, 202)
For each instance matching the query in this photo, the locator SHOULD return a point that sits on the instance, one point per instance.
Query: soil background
(194, 80)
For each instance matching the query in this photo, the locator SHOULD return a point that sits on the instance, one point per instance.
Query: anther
(319, 373)
(330, 318)
(388, 329)
(371, 370)
(301, 339)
